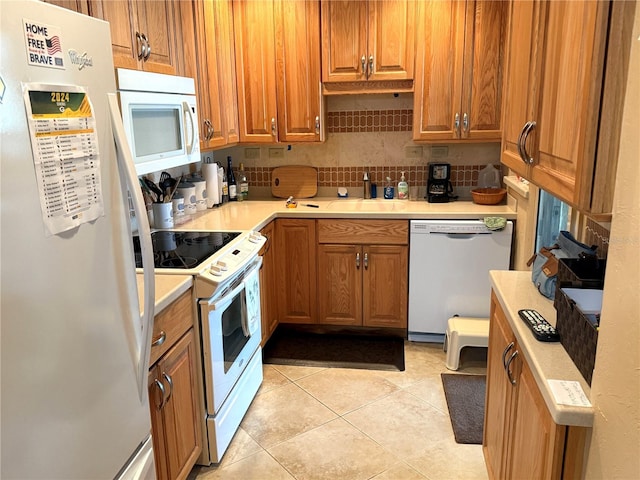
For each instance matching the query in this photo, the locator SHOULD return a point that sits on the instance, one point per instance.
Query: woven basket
(488, 196)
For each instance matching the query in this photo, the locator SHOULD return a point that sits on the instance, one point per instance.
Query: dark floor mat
(465, 400)
(292, 347)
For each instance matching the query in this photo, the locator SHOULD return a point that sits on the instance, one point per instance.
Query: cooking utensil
(173, 186)
(154, 188)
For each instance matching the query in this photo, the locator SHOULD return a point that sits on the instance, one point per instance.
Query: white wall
(614, 451)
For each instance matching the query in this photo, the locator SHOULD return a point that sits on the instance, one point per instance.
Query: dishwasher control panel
(473, 227)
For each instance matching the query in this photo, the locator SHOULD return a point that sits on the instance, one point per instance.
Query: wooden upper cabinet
(459, 70)
(297, 42)
(143, 33)
(278, 70)
(555, 81)
(370, 41)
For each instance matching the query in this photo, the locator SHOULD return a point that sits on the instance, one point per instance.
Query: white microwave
(160, 118)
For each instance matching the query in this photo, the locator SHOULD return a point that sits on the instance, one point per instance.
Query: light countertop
(547, 361)
(168, 289)
(255, 214)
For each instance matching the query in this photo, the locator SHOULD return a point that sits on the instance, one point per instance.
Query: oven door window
(235, 333)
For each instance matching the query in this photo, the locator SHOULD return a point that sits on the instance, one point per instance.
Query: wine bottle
(231, 182)
(243, 184)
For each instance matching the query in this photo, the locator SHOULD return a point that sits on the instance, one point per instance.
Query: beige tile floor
(334, 423)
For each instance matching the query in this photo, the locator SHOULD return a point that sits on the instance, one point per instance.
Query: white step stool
(464, 332)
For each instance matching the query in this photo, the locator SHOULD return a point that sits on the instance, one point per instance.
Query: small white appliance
(160, 118)
(449, 263)
(75, 349)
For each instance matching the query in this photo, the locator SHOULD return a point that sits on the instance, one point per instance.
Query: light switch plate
(439, 151)
(251, 153)
(413, 151)
(276, 152)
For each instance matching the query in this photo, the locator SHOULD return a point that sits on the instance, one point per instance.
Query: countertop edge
(514, 290)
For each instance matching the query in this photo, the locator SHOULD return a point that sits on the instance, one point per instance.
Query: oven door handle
(219, 303)
(245, 318)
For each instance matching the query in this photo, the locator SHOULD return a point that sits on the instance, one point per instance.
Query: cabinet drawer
(361, 232)
(174, 320)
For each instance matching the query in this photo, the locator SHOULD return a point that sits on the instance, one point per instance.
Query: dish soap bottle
(403, 188)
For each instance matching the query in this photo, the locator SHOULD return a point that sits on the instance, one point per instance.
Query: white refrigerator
(74, 346)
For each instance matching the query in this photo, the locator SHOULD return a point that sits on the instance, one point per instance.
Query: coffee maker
(439, 187)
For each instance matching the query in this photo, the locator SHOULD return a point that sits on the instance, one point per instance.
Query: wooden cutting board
(294, 181)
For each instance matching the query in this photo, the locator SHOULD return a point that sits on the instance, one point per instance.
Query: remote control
(541, 329)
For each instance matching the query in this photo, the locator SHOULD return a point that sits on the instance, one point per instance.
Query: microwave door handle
(139, 340)
(186, 108)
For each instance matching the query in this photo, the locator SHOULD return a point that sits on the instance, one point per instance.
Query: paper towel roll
(220, 181)
(210, 174)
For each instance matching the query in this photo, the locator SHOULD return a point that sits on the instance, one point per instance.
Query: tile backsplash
(366, 132)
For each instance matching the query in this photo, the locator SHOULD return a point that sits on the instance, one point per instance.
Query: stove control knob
(215, 270)
(255, 237)
(222, 265)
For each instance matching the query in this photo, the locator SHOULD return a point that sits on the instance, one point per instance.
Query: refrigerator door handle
(139, 340)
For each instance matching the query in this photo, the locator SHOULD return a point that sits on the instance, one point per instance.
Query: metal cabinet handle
(158, 384)
(504, 354)
(366, 261)
(370, 66)
(520, 152)
(527, 158)
(141, 46)
(508, 367)
(465, 123)
(273, 126)
(159, 340)
(456, 124)
(318, 124)
(358, 260)
(363, 60)
(148, 46)
(170, 382)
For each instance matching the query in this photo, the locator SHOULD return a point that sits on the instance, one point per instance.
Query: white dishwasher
(449, 263)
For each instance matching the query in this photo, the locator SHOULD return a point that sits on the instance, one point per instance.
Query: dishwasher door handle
(460, 236)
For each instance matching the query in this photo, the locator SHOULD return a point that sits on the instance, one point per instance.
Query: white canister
(201, 193)
(162, 215)
(178, 208)
(188, 192)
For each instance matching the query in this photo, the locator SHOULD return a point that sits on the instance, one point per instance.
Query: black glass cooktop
(183, 250)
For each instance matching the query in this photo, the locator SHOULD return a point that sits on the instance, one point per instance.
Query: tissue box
(577, 328)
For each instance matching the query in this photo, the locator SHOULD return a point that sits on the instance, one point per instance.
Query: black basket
(578, 335)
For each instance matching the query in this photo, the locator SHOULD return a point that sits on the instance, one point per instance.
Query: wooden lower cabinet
(521, 440)
(295, 270)
(268, 290)
(174, 392)
(362, 284)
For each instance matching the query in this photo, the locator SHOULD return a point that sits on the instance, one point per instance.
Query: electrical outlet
(206, 157)
(276, 152)
(439, 151)
(251, 153)
(413, 151)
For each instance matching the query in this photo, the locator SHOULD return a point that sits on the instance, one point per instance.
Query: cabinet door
(122, 21)
(268, 285)
(155, 19)
(537, 442)
(297, 41)
(520, 83)
(255, 70)
(567, 122)
(391, 39)
(227, 69)
(439, 62)
(207, 78)
(157, 394)
(181, 418)
(344, 40)
(485, 26)
(296, 270)
(385, 286)
(499, 393)
(340, 284)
